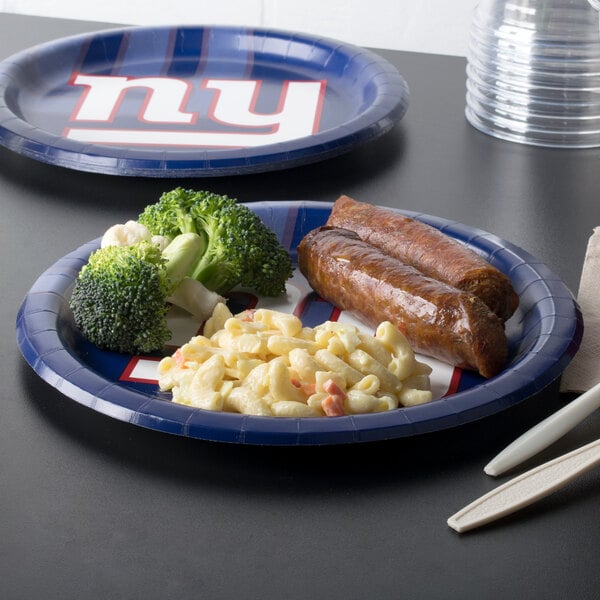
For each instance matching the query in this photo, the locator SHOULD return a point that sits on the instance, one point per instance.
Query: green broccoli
(239, 247)
(119, 300)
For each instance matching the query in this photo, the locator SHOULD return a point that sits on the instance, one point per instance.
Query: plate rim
(150, 412)
(24, 138)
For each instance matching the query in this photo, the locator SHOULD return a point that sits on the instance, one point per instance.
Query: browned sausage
(438, 320)
(427, 249)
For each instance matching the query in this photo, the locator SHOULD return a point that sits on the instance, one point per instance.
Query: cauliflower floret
(129, 233)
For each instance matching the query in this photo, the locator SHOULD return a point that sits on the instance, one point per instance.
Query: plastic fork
(546, 432)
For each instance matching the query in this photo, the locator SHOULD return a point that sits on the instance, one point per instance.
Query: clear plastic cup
(533, 71)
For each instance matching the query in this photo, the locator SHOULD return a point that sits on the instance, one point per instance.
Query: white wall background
(431, 26)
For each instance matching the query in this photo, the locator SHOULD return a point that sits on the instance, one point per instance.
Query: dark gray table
(91, 507)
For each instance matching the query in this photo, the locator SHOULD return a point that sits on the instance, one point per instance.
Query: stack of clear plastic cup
(533, 71)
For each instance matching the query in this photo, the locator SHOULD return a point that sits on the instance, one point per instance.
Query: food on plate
(119, 300)
(264, 362)
(432, 252)
(438, 320)
(187, 250)
(238, 248)
(127, 234)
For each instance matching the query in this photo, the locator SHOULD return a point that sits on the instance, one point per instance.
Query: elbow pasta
(264, 362)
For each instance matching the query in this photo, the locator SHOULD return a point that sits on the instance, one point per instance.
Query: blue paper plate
(194, 101)
(544, 335)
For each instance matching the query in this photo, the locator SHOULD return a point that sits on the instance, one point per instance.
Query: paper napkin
(583, 371)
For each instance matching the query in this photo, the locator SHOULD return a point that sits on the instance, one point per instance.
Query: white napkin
(583, 372)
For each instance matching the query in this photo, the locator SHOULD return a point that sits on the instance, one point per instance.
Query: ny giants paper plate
(194, 101)
(544, 334)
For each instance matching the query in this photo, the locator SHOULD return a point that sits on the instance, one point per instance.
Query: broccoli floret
(170, 215)
(119, 300)
(240, 248)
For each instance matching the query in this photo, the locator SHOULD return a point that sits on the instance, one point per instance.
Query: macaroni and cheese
(265, 362)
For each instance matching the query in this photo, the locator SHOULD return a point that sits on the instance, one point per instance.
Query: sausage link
(432, 252)
(437, 319)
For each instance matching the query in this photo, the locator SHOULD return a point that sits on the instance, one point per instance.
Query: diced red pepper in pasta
(307, 388)
(333, 403)
(333, 406)
(331, 387)
(178, 358)
(247, 315)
